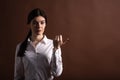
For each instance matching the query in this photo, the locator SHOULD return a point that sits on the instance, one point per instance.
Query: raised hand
(58, 41)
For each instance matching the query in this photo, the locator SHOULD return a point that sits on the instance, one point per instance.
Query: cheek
(44, 27)
(32, 28)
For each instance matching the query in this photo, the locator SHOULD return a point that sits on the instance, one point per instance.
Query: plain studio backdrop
(93, 27)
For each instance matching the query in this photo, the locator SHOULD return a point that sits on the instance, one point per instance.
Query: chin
(39, 33)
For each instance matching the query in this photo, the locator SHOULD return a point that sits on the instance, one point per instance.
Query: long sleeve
(56, 63)
(18, 69)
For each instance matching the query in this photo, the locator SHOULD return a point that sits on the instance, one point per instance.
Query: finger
(55, 38)
(58, 38)
(61, 39)
(66, 41)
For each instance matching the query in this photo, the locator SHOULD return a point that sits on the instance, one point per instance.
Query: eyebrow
(38, 21)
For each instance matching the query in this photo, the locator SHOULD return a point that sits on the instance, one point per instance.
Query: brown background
(93, 26)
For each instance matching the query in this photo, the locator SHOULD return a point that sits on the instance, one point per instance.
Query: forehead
(39, 18)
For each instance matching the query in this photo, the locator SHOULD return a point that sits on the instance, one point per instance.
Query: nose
(39, 25)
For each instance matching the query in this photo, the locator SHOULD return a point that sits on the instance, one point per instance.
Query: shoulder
(18, 46)
(48, 40)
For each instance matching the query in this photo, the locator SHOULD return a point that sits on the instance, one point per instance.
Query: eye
(42, 22)
(34, 22)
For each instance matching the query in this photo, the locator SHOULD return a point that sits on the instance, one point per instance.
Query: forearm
(56, 63)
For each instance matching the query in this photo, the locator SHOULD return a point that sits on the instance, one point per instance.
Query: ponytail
(23, 46)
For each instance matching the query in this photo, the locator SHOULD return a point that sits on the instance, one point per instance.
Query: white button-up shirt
(39, 63)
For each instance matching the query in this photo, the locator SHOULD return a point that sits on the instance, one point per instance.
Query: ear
(28, 26)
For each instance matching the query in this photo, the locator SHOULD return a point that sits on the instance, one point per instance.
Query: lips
(38, 30)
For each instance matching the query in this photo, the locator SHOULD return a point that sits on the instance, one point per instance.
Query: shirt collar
(44, 40)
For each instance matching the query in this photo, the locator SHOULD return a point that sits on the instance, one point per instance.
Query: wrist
(54, 49)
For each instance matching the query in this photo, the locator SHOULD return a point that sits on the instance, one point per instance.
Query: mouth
(38, 31)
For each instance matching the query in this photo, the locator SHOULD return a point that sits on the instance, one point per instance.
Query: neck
(36, 38)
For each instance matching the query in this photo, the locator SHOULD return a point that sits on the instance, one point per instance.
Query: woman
(37, 57)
